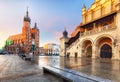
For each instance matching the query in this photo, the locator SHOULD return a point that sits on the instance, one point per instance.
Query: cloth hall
(97, 36)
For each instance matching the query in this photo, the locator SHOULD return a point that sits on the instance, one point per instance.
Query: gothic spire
(35, 26)
(84, 6)
(27, 12)
(27, 18)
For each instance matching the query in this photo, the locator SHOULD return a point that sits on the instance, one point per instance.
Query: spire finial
(26, 17)
(27, 12)
(65, 33)
(65, 28)
(84, 6)
(35, 24)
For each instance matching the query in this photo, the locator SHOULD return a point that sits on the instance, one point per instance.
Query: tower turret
(27, 18)
(35, 26)
(63, 40)
(83, 9)
(65, 33)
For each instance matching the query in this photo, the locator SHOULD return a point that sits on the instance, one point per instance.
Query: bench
(68, 75)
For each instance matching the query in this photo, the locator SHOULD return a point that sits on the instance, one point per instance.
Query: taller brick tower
(26, 32)
(23, 42)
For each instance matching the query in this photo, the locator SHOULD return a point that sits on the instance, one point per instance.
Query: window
(93, 14)
(103, 10)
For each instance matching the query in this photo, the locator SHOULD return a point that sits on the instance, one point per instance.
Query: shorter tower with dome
(63, 40)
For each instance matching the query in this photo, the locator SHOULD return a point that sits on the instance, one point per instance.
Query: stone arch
(86, 45)
(86, 40)
(89, 51)
(101, 43)
(104, 44)
(104, 35)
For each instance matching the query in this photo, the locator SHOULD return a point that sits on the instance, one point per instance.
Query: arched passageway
(104, 47)
(87, 48)
(106, 51)
(89, 51)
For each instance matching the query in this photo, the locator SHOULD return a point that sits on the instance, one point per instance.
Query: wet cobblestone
(100, 67)
(14, 69)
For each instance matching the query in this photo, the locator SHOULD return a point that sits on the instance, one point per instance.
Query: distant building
(27, 41)
(98, 35)
(41, 50)
(51, 49)
(63, 40)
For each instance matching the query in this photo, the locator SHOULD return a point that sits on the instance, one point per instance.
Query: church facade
(26, 41)
(98, 35)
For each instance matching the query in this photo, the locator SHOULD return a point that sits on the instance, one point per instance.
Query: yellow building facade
(99, 35)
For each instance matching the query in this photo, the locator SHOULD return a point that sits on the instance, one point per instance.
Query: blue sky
(52, 16)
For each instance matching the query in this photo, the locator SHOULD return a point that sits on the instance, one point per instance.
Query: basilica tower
(35, 38)
(26, 31)
(23, 42)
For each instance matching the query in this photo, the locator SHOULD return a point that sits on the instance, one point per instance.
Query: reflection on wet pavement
(105, 68)
(15, 69)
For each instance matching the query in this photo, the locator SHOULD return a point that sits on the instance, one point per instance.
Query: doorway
(106, 51)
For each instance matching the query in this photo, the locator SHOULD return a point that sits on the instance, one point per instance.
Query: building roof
(15, 37)
(99, 18)
(73, 39)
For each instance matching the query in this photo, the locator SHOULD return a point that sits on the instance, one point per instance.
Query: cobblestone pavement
(101, 67)
(14, 69)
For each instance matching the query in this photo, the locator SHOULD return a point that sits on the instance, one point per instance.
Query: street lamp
(33, 49)
(33, 45)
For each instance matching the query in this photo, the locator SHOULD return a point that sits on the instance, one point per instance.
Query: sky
(51, 16)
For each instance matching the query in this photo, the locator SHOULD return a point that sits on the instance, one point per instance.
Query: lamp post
(33, 49)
